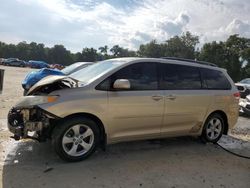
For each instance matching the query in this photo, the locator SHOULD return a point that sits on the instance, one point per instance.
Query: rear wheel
(75, 139)
(213, 128)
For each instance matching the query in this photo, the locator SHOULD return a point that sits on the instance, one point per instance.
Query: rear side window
(179, 77)
(215, 79)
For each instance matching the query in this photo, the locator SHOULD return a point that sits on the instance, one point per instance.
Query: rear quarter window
(215, 79)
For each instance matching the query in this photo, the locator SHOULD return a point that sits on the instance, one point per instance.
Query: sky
(93, 23)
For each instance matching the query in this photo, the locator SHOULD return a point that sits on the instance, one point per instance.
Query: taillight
(237, 95)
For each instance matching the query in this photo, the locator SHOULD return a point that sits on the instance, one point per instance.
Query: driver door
(137, 112)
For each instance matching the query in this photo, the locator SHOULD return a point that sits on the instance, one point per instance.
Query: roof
(169, 59)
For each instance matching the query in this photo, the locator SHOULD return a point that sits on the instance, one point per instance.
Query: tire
(70, 140)
(213, 128)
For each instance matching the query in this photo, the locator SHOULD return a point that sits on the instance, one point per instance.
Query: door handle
(157, 97)
(171, 97)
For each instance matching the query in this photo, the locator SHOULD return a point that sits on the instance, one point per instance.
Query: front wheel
(75, 139)
(213, 128)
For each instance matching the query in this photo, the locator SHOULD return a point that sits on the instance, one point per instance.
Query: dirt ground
(173, 162)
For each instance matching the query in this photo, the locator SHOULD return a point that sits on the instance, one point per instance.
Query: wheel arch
(224, 116)
(97, 120)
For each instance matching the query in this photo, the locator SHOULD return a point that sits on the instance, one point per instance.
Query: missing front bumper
(25, 120)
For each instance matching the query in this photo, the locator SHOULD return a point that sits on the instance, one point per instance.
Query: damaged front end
(27, 117)
(23, 121)
(52, 83)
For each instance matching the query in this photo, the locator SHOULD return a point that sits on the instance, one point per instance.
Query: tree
(89, 54)
(214, 52)
(116, 50)
(104, 50)
(152, 49)
(229, 54)
(183, 47)
(232, 54)
(59, 54)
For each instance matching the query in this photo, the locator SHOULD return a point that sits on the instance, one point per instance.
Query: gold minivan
(127, 99)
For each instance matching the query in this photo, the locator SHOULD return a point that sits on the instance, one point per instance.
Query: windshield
(72, 68)
(95, 71)
(245, 81)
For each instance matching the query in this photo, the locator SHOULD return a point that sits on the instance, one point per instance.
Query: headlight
(35, 100)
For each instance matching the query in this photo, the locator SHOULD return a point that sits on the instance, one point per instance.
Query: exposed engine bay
(52, 83)
(23, 121)
(27, 117)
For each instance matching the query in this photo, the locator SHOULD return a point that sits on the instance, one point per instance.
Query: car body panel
(35, 76)
(134, 115)
(244, 87)
(37, 64)
(14, 62)
(45, 81)
(185, 111)
(245, 105)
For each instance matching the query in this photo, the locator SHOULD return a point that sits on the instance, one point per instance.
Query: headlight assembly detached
(28, 101)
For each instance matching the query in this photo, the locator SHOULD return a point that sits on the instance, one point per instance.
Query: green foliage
(118, 51)
(58, 53)
(231, 54)
(151, 49)
(177, 46)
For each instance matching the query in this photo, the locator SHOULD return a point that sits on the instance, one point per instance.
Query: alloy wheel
(214, 128)
(78, 140)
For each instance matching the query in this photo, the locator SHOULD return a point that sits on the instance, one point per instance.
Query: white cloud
(238, 26)
(78, 24)
(168, 28)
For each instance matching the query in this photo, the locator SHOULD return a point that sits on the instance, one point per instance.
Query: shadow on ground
(179, 162)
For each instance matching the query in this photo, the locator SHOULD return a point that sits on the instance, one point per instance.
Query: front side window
(179, 77)
(215, 79)
(142, 76)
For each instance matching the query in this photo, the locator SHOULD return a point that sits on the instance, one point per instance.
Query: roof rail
(190, 61)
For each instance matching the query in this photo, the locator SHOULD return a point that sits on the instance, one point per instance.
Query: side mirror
(121, 84)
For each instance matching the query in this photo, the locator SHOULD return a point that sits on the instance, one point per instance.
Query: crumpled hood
(49, 80)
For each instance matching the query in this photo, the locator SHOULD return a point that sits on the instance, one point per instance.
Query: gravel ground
(173, 162)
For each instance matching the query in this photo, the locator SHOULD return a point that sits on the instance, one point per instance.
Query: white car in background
(244, 87)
